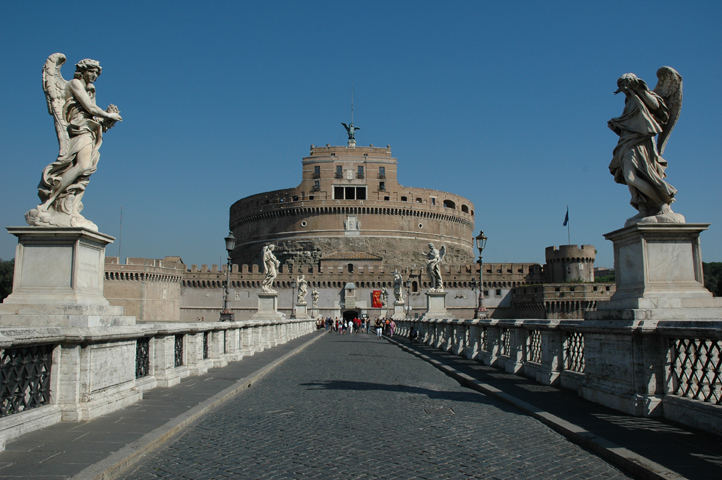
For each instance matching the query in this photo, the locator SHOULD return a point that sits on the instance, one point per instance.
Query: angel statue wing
(669, 87)
(54, 87)
(442, 252)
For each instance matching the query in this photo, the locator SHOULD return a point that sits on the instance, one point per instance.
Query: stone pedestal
(436, 305)
(660, 285)
(658, 266)
(301, 311)
(399, 311)
(58, 280)
(267, 307)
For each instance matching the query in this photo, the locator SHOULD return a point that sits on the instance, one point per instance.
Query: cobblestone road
(355, 407)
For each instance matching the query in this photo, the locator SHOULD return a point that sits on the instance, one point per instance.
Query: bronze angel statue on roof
(79, 124)
(644, 127)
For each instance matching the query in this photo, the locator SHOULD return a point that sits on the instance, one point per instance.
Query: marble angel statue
(434, 258)
(270, 268)
(398, 292)
(79, 125)
(644, 128)
(302, 290)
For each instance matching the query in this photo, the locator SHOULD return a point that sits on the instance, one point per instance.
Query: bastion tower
(350, 211)
(570, 263)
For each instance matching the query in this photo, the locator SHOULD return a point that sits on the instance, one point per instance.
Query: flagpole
(569, 229)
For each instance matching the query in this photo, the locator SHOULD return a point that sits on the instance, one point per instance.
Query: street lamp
(293, 298)
(408, 297)
(480, 241)
(227, 315)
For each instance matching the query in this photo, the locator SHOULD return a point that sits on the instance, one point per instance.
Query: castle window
(414, 286)
(382, 186)
(449, 204)
(382, 172)
(349, 193)
(498, 292)
(433, 200)
(316, 185)
(360, 172)
(295, 198)
(339, 171)
(316, 171)
(350, 267)
(404, 199)
(387, 198)
(465, 209)
(418, 200)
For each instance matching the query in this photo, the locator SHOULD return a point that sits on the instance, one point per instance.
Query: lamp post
(226, 315)
(293, 298)
(408, 298)
(480, 241)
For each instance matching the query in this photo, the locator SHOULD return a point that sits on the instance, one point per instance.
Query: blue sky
(505, 103)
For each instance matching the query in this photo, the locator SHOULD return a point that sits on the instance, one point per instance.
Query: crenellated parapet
(559, 300)
(169, 270)
(461, 276)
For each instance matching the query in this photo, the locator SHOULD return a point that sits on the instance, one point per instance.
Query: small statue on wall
(434, 258)
(79, 125)
(314, 298)
(270, 268)
(398, 283)
(644, 128)
(302, 290)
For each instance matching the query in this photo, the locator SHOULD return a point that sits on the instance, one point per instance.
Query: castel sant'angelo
(350, 208)
(347, 227)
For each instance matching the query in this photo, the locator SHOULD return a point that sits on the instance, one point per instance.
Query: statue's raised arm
(644, 128)
(79, 125)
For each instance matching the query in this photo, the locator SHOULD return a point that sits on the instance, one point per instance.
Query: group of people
(382, 325)
(345, 326)
(385, 326)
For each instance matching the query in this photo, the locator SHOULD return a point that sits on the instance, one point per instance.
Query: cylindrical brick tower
(569, 263)
(350, 205)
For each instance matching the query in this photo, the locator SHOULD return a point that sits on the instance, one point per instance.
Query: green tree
(7, 268)
(713, 277)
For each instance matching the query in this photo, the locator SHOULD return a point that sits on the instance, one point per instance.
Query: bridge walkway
(352, 407)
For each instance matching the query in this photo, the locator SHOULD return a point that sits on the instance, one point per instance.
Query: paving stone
(358, 407)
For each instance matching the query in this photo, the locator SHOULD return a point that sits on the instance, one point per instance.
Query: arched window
(449, 204)
(465, 209)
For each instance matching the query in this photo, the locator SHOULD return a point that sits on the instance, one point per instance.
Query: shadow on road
(469, 396)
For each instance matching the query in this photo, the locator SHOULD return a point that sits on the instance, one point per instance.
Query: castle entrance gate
(351, 314)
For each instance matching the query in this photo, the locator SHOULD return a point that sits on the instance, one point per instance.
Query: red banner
(376, 299)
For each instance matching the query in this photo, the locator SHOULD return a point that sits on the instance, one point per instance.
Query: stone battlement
(575, 253)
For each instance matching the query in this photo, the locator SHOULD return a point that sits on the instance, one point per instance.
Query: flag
(376, 299)
(566, 218)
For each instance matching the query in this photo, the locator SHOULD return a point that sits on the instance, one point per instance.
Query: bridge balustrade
(51, 374)
(678, 365)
